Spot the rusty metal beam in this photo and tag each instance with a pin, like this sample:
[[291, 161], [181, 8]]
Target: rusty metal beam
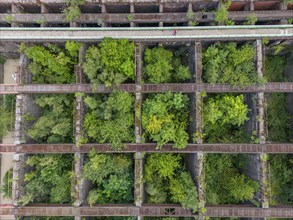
[[283, 87], [168, 210], [148, 147]]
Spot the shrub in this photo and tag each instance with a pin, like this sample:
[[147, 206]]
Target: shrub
[[113, 176], [165, 117]]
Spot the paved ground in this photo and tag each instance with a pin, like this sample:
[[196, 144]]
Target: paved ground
[[10, 67], [6, 162]]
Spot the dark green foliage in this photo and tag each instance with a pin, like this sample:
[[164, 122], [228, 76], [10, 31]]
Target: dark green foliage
[[161, 66], [53, 64], [167, 181], [165, 118], [110, 218], [56, 123], [227, 63], [2, 59], [224, 183], [223, 116], [281, 179], [7, 112], [6, 188], [277, 118], [49, 179], [110, 118], [113, 176], [274, 68], [111, 62]]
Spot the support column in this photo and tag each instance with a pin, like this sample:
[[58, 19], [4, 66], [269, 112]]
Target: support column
[[161, 10], [261, 129], [44, 10], [251, 5], [132, 24], [103, 11], [189, 10], [138, 169]]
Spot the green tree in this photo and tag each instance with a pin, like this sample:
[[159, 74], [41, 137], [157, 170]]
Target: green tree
[[110, 118], [168, 181], [56, 123], [6, 188], [281, 179], [224, 183], [278, 120], [223, 116], [53, 64], [165, 117], [111, 62], [113, 176], [49, 179], [161, 66], [225, 63]]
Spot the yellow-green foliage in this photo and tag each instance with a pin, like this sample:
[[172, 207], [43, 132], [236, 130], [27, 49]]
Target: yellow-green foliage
[[165, 118]]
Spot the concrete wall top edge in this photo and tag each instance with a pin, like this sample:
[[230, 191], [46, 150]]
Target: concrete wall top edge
[[117, 1]]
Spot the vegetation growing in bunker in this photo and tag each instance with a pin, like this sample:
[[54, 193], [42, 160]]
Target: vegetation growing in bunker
[[168, 181], [165, 119], [7, 112], [110, 118], [112, 175], [224, 116], [6, 188], [281, 179], [111, 62], [52, 64], [224, 182], [229, 63], [48, 180], [56, 123], [165, 66]]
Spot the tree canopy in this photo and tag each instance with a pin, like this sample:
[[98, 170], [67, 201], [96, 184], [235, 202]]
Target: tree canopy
[[52, 64], [56, 123], [163, 66], [112, 175], [224, 183], [165, 118], [227, 63], [167, 181], [49, 179], [110, 118], [111, 62], [223, 116]]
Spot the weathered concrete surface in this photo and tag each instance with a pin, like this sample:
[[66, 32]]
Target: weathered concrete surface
[[149, 34], [10, 67]]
